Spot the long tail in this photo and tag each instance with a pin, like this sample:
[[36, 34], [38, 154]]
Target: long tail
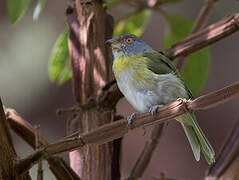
[[196, 137]]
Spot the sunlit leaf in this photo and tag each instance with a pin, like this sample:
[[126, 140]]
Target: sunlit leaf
[[133, 24], [66, 73], [16, 9], [38, 8], [196, 68], [59, 65]]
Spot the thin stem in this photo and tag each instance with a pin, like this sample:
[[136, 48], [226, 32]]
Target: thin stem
[[200, 23], [225, 166], [203, 15], [145, 156]]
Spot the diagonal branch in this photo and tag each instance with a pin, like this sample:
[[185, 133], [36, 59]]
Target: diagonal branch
[[25, 130], [7, 152], [146, 155], [226, 166], [109, 132], [200, 23], [205, 37], [203, 15]]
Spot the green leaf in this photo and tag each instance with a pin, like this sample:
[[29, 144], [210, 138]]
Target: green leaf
[[196, 68], [16, 9], [66, 73], [59, 66], [180, 27], [38, 9], [133, 23]]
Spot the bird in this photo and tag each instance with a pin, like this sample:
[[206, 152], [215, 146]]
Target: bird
[[149, 80]]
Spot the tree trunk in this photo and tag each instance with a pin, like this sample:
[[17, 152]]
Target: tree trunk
[[90, 27]]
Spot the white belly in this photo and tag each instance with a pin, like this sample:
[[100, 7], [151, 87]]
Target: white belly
[[144, 95]]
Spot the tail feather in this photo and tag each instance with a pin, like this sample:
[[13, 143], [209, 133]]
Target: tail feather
[[193, 141], [196, 137]]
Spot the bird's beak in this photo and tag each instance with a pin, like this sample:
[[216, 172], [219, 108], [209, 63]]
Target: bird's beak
[[114, 44]]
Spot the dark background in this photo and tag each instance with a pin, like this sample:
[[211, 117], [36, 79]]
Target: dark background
[[25, 86]]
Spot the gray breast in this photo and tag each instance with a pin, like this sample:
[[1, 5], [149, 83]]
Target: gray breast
[[142, 96]]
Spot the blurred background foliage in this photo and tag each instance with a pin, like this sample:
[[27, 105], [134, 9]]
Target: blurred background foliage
[[35, 45]]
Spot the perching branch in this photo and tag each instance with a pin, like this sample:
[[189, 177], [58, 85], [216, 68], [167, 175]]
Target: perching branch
[[27, 132], [203, 38], [109, 132]]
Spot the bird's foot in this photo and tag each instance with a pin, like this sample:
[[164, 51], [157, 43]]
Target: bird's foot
[[131, 117], [154, 108]]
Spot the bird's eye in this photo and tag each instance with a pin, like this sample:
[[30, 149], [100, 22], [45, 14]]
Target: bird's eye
[[129, 40]]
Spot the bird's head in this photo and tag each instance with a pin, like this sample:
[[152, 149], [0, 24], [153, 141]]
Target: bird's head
[[127, 44]]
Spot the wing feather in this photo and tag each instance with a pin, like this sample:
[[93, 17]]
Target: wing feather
[[160, 64]]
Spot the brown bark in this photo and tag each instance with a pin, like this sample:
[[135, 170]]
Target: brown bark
[[25, 130], [8, 156], [90, 27], [205, 37]]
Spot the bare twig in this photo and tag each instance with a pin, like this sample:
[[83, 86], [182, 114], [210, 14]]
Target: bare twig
[[25, 164], [22, 128], [145, 156], [204, 13], [226, 166], [109, 132], [200, 23]]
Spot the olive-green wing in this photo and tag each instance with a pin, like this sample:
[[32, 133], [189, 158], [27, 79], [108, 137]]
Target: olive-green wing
[[160, 64]]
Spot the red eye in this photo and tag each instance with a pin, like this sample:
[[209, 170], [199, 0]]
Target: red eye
[[129, 40]]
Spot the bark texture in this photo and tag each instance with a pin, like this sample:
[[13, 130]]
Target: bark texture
[[8, 156], [90, 27]]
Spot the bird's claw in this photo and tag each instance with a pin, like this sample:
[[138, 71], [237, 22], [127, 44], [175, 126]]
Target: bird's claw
[[154, 108], [131, 117]]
